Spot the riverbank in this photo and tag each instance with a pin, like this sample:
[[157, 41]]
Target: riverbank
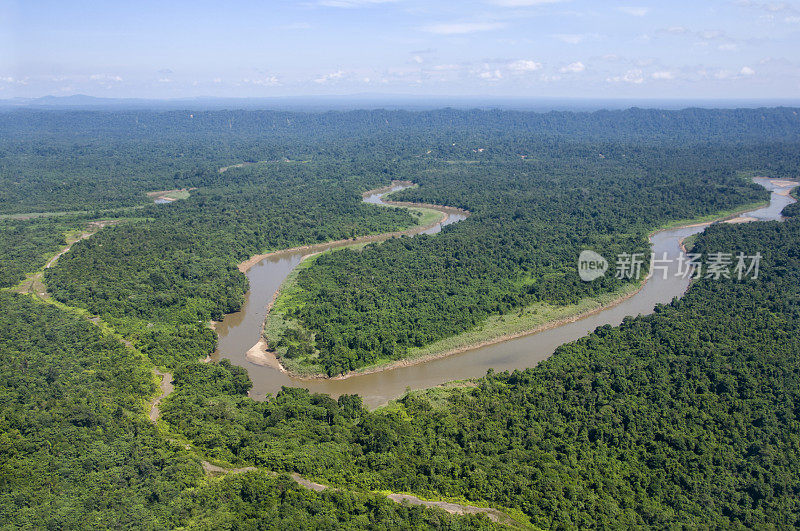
[[428, 221], [496, 329], [275, 323], [722, 216]]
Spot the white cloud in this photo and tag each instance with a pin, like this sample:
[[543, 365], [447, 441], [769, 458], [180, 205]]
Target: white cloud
[[218, 80], [631, 76], [635, 11], [417, 59], [727, 47], [747, 71], [525, 65], [266, 81], [573, 68], [325, 78], [491, 75], [105, 78], [664, 74], [711, 34], [460, 28], [446, 67], [165, 80], [772, 7]]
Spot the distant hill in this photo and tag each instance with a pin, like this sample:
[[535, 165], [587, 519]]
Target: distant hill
[[378, 101]]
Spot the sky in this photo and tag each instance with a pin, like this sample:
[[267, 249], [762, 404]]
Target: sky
[[485, 48]]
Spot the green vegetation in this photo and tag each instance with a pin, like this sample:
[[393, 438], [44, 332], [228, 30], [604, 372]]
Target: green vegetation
[[793, 210], [686, 417], [530, 220], [580, 183], [260, 501], [54, 161], [160, 281], [77, 451], [292, 342], [25, 247]]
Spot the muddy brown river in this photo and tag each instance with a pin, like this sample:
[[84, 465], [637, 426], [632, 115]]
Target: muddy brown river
[[239, 331]]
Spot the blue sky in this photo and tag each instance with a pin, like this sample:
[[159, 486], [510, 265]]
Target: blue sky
[[516, 48]]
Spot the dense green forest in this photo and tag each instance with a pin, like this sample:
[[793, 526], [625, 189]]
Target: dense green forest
[[793, 210], [530, 220], [262, 501], [25, 246], [161, 280], [539, 189], [77, 451], [687, 417], [81, 160], [684, 418]]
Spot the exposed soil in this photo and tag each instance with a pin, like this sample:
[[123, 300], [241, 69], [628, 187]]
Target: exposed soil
[[168, 196], [165, 388]]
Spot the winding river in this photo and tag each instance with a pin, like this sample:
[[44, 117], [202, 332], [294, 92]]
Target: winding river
[[239, 331]]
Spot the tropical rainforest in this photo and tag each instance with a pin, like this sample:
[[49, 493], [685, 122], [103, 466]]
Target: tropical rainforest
[[160, 279], [25, 246], [530, 220], [687, 417], [78, 452]]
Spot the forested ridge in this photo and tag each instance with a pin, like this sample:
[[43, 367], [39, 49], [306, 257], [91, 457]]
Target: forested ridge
[[686, 417]]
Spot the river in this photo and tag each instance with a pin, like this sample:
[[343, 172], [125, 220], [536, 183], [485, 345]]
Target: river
[[239, 331]]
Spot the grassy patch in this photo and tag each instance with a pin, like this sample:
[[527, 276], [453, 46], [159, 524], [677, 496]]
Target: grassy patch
[[278, 320], [717, 216], [519, 322], [425, 216]]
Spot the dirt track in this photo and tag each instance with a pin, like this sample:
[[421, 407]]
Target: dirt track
[[165, 388]]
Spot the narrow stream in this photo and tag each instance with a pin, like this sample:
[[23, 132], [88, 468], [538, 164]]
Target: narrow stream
[[241, 330]]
